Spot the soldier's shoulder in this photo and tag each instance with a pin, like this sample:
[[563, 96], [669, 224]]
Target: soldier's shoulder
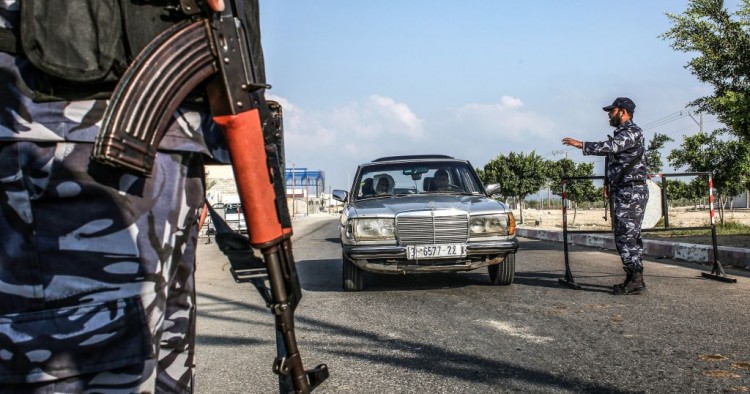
[[633, 128]]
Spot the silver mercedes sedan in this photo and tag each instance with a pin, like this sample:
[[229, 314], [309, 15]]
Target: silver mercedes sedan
[[427, 213]]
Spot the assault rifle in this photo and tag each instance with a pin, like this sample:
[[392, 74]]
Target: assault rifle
[[215, 48], [605, 187], [608, 203]]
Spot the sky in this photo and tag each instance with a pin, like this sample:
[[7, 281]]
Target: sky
[[474, 79]]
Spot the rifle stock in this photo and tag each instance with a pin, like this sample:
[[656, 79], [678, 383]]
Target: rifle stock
[[151, 90]]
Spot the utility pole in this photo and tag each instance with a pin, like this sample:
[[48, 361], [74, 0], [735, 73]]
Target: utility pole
[[307, 194], [549, 186], [294, 203], [698, 122]]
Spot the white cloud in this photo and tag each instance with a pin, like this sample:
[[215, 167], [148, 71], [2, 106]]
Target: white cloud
[[511, 102], [337, 140], [378, 117], [304, 129], [506, 120]]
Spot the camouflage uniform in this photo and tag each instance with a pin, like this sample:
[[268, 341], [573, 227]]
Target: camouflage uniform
[[627, 187], [96, 266]]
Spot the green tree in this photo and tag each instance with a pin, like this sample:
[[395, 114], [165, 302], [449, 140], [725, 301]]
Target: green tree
[[721, 40], [518, 174], [480, 172], [578, 190], [728, 161], [653, 157], [678, 189], [549, 179]]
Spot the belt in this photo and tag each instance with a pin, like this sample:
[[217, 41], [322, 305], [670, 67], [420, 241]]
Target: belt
[[632, 184]]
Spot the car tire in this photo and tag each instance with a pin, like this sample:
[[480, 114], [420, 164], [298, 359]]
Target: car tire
[[503, 273], [352, 275]]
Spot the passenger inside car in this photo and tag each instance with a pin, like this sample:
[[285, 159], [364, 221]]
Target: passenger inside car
[[383, 186]]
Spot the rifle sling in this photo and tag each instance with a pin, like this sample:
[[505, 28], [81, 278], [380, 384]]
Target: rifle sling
[[615, 185]]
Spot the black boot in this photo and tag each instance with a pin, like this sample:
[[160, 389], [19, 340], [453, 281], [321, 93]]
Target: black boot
[[628, 276], [634, 283]]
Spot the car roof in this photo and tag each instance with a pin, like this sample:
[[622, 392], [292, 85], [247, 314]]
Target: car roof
[[414, 158]]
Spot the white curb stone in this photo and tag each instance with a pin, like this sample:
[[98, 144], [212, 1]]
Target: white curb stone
[[738, 257]]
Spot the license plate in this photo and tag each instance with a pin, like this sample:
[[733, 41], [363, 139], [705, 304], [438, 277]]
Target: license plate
[[414, 252]]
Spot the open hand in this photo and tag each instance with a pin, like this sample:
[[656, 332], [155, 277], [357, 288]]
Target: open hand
[[572, 142]]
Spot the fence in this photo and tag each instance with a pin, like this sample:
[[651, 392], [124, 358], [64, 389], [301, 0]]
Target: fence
[[717, 271]]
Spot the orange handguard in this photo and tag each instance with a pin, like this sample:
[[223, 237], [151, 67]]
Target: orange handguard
[[247, 150]]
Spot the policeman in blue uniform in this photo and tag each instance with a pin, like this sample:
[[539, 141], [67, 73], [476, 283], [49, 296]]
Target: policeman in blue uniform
[[627, 174], [96, 265]]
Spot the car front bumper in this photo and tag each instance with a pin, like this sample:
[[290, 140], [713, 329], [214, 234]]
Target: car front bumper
[[392, 259]]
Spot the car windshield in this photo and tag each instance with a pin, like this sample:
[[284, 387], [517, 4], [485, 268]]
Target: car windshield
[[407, 178]]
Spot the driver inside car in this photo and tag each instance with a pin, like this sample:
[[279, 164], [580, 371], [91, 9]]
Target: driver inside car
[[367, 189], [440, 181]]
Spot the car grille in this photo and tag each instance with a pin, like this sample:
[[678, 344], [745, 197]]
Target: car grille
[[414, 228]]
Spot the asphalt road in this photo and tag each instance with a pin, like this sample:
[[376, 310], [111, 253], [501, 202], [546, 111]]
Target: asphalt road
[[456, 333]]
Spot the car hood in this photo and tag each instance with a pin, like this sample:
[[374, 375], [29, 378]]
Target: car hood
[[394, 205]]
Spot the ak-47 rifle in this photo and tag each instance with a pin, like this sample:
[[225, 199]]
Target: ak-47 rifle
[[606, 188], [215, 47]]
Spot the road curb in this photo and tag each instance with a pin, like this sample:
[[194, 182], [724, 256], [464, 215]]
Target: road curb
[[738, 257]]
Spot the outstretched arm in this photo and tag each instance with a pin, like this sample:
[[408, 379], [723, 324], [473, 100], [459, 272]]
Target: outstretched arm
[[572, 142]]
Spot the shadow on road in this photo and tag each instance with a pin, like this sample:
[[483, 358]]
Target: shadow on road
[[406, 354], [535, 244], [550, 279], [311, 279], [218, 340]]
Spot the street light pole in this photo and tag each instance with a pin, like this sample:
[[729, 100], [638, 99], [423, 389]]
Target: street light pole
[[307, 194], [294, 209]]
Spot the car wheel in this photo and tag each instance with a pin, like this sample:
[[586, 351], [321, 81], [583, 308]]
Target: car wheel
[[352, 275], [502, 274]]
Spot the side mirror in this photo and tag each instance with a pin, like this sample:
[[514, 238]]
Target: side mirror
[[339, 195], [492, 188]]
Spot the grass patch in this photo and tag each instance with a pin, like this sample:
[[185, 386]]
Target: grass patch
[[729, 228]]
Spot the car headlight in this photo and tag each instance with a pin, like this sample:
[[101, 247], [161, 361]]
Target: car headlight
[[372, 229], [488, 225]]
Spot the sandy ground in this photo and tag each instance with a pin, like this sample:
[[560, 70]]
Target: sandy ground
[[678, 217]]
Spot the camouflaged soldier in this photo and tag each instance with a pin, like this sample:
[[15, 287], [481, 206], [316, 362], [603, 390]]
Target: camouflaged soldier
[[96, 265], [627, 174]]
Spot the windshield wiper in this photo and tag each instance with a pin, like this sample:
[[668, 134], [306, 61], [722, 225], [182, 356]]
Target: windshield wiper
[[375, 197]]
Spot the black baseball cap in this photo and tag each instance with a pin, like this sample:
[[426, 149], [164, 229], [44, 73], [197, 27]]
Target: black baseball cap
[[621, 102]]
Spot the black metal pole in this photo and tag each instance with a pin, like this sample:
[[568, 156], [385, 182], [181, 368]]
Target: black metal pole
[[664, 205], [717, 272], [568, 280]]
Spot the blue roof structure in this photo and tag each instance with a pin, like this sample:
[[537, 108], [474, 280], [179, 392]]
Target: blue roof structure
[[313, 180]]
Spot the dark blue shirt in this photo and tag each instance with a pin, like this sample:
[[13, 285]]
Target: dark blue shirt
[[625, 147]]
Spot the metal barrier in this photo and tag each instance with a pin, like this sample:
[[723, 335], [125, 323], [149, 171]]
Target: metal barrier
[[717, 272]]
